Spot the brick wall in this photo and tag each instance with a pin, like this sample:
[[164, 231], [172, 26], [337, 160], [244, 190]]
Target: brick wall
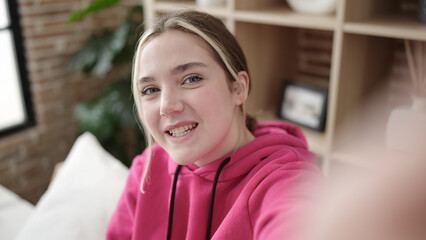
[[27, 158]]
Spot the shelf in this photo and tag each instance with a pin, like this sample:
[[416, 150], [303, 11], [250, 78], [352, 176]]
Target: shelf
[[220, 12], [351, 159], [343, 165], [316, 141], [372, 157], [400, 26], [286, 17], [364, 36]]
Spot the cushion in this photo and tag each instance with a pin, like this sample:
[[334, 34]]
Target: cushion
[[81, 198], [14, 212]]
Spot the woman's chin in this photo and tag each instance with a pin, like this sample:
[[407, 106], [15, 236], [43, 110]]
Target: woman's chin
[[182, 160]]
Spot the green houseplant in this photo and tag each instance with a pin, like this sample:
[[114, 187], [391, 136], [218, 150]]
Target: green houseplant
[[110, 118]]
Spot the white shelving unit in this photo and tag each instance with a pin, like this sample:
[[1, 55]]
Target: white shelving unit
[[364, 34]]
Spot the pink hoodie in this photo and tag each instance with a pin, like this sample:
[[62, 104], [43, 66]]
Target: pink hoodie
[[257, 192]]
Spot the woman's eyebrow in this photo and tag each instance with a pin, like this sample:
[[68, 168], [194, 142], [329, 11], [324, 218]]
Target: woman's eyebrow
[[145, 80], [178, 69], [182, 68]]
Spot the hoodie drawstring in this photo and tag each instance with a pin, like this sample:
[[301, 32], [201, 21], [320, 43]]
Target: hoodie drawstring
[[172, 199], [216, 177], [172, 203]]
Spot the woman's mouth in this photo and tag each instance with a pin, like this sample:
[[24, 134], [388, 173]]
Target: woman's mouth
[[182, 130]]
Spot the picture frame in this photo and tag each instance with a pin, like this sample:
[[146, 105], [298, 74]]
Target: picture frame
[[304, 105]]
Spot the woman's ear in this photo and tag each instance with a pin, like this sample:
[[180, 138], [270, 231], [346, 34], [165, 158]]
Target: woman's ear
[[241, 88]]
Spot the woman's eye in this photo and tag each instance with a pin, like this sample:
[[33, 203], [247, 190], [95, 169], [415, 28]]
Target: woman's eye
[[192, 79], [149, 90]]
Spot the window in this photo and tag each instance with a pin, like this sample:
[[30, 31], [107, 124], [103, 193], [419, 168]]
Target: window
[[15, 105]]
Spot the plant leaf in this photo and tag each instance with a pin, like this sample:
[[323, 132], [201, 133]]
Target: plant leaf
[[85, 59], [103, 51], [93, 7], [104, 61], [119, 39], [94, 117], [118, 96]]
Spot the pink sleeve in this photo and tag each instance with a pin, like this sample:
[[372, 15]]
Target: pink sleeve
[[122, 220], [282, 202]]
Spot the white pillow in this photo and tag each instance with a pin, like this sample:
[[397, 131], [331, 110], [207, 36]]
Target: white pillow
[[81, 199], [14, 212]]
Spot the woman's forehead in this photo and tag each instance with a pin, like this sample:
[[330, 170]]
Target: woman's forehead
[[175, 45], [178, 38]]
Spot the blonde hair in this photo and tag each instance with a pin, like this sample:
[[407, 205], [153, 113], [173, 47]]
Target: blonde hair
[[223, 46]]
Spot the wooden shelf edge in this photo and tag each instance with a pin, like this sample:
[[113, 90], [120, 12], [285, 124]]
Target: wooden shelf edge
[[287, 18], [220, 12], [393, 26]]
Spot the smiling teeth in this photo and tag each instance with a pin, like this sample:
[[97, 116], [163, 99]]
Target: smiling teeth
[[180, 131]]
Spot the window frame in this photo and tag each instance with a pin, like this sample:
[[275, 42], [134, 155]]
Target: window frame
[[15, 30]]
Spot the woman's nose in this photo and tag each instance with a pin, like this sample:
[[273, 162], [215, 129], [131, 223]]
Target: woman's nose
[[170, 104]]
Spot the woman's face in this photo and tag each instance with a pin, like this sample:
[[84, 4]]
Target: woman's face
[[186, 101]]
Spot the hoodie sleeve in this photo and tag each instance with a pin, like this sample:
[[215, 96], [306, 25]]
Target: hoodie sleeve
[[122, 221], [282, 201]]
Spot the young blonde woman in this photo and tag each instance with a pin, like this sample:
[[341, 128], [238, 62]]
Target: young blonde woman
[[213, 172]]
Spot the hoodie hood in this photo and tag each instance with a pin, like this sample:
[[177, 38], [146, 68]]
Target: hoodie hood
[[270, 137]]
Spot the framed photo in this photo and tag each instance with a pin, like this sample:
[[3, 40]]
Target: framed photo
[[304, 105]]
